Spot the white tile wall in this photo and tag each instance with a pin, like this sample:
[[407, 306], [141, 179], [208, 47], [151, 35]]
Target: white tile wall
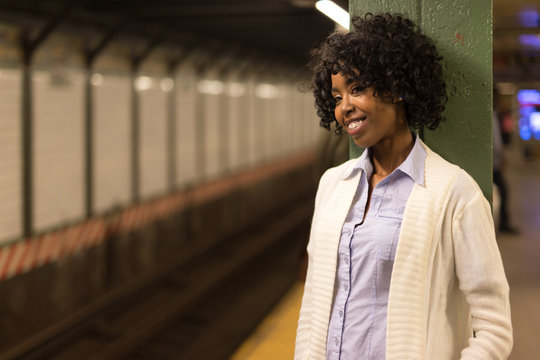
[[58, 149], [282, 121], [244, 105], [236, 128], [224, 134], [308, 126], [267, 127], [312, 120], [153, 140], [259, 130], [185, 125], [112, 142], [276, 124], [298, 125], [289, 120], [251, 149], [10, 154], [212, 126]]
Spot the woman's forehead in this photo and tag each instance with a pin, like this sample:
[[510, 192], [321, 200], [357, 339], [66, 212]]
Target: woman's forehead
[[341, 77]]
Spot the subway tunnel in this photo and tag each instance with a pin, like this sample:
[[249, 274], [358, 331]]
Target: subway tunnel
[[160, 160]]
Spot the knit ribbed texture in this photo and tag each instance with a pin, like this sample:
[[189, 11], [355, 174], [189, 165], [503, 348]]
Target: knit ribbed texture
[[447, 268], [331, 222], [406, 301]]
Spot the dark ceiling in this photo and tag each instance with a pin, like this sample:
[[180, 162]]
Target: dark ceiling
[[278, 29], [275, 30]]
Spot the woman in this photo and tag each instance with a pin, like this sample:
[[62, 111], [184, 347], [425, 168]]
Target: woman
[[403, 262]]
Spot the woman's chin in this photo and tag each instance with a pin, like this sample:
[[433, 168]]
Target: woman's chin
[[361, 142]]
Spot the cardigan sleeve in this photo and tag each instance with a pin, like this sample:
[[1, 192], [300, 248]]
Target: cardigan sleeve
[[304, 321], [481, 277]]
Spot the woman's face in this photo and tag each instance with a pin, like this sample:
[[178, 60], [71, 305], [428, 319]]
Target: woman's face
[[369, 120]]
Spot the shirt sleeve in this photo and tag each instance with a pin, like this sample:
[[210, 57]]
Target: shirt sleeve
[[482, 279]]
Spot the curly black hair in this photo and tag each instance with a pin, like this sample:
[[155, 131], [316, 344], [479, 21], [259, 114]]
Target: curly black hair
[[386, 52]]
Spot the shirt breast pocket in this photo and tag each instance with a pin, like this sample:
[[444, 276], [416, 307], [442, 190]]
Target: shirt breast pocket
[[386, 236]]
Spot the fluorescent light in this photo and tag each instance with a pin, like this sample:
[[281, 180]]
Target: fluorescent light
[[166, 84], [334, 12], [143, 83], [96, 79], [266, 91], [529, 18], [530, 41], [211, 87]]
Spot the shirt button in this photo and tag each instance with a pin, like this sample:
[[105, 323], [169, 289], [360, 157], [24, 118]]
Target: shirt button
[[340, 313], [346, 258], [346, 287], [336, 341]]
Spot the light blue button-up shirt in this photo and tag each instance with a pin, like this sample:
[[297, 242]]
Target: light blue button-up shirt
[[357, 328]]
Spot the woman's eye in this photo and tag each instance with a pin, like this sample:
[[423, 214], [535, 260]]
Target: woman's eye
[[337, 99], [357, 89]]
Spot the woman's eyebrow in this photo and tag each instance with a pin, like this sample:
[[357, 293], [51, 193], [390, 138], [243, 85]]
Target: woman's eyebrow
[[350, 81]]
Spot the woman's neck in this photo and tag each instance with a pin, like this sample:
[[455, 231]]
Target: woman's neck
[[390, 153]]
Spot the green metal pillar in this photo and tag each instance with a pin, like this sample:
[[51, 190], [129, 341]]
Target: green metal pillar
[[462, 32]]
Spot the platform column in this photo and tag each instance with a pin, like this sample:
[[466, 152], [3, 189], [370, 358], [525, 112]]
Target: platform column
[[462, 31]]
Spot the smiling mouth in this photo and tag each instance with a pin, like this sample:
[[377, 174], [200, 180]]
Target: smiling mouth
[[356, 123]]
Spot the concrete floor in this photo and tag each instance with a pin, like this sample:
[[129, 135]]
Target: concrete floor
[[274, 339], [521, 257]]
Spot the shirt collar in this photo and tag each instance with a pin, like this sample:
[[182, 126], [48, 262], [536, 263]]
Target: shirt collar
[[413, 165]]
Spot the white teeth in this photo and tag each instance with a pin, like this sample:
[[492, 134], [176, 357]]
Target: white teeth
[[354, 124]]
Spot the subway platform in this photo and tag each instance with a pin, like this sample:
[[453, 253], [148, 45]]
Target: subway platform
[[274, 338]]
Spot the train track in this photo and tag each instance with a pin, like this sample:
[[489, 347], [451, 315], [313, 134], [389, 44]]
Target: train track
[[199, 305]]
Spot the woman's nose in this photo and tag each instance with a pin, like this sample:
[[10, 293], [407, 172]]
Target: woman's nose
[[346, 105]]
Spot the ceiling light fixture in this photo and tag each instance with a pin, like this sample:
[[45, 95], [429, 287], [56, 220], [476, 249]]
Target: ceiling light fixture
[[334, 12]]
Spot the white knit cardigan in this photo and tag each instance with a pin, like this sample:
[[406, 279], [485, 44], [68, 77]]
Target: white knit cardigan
[[447, 280]]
